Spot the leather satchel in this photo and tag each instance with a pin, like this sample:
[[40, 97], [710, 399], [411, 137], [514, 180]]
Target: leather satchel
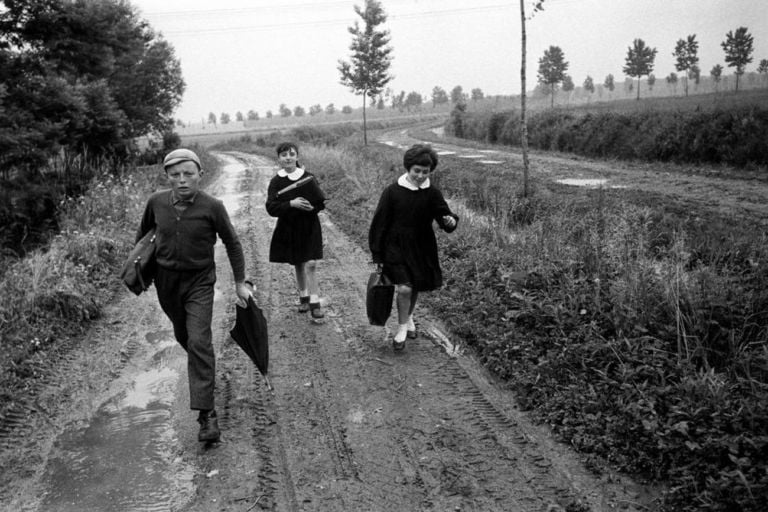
[[378, 300], [140, 267]]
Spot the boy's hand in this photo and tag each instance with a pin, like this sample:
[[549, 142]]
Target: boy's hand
[[449, 221], [244, 291]]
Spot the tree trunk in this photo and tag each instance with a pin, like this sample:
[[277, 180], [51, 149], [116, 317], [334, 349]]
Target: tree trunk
[[365, 126], [552, 92], [638, 88], [523, 120]]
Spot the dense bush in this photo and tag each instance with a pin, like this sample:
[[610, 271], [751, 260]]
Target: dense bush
[[736, 136]]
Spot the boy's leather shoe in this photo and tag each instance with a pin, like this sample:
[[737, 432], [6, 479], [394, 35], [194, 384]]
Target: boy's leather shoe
[[209, 427]]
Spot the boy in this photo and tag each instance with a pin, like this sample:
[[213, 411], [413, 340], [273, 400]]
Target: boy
[[187, 221]]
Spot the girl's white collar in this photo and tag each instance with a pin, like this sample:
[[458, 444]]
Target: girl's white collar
[[295, 175], [403, 182]]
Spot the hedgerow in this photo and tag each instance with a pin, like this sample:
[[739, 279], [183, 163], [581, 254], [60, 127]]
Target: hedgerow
[[735, 136]]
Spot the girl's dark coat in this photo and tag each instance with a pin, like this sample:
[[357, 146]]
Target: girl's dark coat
[[298, 236], [401, 232]]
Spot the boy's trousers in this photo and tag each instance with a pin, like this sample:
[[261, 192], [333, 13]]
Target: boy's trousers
[[186, 296]]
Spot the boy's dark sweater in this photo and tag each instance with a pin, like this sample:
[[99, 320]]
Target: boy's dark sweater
[[185, 239]]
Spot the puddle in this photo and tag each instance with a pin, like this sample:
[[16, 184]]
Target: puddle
[[491, 162], [123, 459], [439, 131], [441, 339], [233, 172], [470, 156], [583, 182], [446, 152]]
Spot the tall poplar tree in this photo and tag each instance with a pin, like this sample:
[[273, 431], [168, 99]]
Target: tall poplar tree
[[686, 56], [367, 71], [552, 68], [523, 111], [738, 50], [639, 61]]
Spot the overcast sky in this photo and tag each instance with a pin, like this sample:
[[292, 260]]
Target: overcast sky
[[238, 55]]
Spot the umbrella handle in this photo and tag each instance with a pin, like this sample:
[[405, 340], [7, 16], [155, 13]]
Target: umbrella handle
[[269, 385]]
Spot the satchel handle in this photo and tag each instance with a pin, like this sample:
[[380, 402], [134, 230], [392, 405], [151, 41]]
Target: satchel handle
[[137, 264]]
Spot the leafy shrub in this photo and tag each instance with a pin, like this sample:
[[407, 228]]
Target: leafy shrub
[[736, 136]]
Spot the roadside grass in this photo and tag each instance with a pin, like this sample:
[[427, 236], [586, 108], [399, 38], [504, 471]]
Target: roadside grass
[[631, 325]]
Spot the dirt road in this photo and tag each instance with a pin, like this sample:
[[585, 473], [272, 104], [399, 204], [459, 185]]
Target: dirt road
[[737, 193], [350, 425]]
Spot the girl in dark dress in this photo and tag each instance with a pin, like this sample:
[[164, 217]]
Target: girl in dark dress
[[401, 237], [295, 199]]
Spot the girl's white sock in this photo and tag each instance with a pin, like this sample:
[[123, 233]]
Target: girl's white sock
[[402, 331], [303, 293], [411, 324], [314, 298]]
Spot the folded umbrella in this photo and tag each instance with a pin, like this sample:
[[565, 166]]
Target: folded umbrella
[[250, 333]]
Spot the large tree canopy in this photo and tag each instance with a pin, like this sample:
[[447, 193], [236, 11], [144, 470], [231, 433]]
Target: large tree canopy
[[83, 76]]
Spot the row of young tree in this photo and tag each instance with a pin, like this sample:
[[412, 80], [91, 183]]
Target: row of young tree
[[402, 102], [80, 79], [738, 47]]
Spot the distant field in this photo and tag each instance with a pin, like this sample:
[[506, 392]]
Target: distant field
[[703, 101], [699, 101], [207, 135]]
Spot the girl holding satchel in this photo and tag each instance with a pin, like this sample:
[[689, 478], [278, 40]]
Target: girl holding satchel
[[401, 237], [295, 198]]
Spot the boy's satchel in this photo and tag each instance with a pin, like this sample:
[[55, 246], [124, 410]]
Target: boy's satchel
[[378, 301], [140, 267]]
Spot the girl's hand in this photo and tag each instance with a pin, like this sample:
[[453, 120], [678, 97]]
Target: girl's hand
[[449, 221], [301, 204]]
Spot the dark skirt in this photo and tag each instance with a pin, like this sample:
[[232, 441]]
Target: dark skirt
[[297, 240]]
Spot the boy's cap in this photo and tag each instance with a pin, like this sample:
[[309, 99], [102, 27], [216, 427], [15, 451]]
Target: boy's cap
[[181, 155]]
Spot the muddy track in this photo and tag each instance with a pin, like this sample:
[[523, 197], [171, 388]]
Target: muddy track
[[351, 425], [725, 191]]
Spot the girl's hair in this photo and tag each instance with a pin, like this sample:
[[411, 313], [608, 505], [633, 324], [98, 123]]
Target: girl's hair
[[420, 154], [285, 146]]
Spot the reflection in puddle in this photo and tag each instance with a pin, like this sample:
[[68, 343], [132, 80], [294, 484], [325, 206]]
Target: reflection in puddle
[[584, 182], [123, 460]]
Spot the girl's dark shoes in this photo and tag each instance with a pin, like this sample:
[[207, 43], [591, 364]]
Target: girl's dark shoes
[[209, 427], [398, 346], [315, 310], [303, 304], [411, 335]]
